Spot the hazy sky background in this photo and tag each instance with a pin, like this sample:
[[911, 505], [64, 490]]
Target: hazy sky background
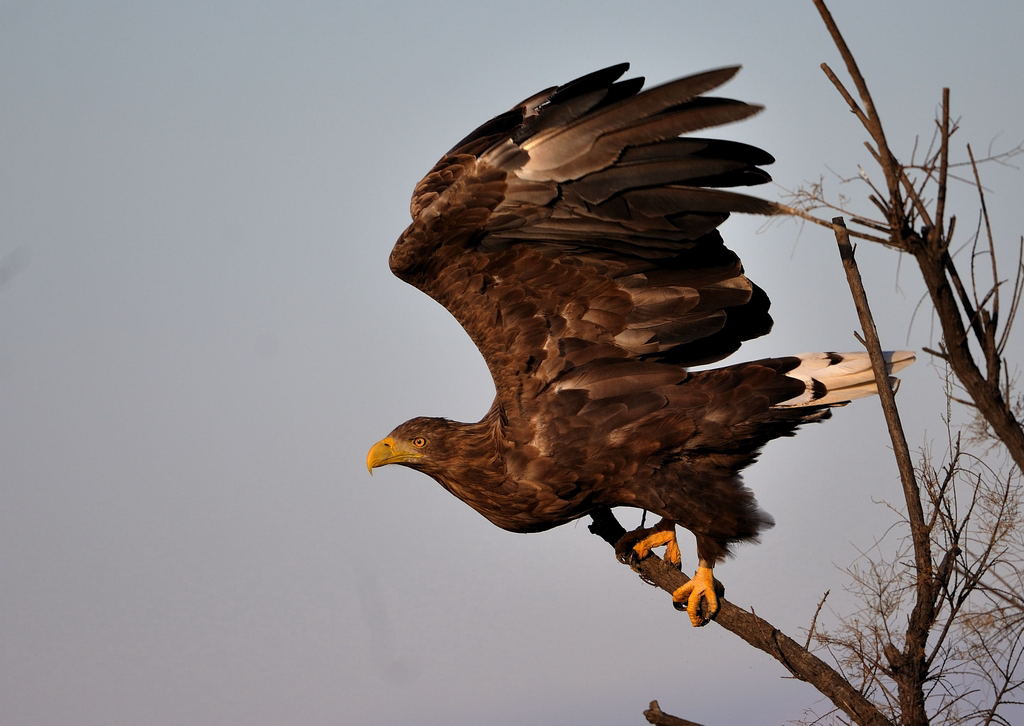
[[200, 338]]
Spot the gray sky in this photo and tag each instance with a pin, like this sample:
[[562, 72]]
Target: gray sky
[[200, 338]]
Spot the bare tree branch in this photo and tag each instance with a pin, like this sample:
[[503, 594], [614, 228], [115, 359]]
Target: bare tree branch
[[930, 248], [755, 630], [656, 716]]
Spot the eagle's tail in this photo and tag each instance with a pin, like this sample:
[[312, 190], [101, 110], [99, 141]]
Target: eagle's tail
[[832, 379]]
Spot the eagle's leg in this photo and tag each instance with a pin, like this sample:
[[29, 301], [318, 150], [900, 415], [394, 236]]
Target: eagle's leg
[[639, 543], [699, 596]]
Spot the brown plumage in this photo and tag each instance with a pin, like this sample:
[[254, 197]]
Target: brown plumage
[[575, 239]]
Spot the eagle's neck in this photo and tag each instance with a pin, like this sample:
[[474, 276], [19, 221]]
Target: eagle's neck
[[481, 462], [478, 475], [476, 471]]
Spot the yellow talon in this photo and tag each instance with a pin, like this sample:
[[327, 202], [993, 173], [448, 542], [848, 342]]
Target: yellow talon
[[658, 538], [648, 543], [700, 587]]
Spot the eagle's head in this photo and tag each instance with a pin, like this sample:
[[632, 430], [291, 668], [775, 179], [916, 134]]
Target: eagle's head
[[423, 443]]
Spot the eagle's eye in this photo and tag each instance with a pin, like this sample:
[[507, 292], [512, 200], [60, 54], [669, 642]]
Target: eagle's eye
[[419, 442]]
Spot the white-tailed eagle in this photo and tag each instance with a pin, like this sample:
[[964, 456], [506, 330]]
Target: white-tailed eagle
[[575, 238]]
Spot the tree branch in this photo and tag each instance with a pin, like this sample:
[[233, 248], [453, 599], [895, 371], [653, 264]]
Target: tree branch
[[656, 716], [931, 250], [909, 666], [756, 631]]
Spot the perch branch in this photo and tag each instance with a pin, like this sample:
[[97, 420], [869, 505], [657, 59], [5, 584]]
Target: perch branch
[[756, 631]]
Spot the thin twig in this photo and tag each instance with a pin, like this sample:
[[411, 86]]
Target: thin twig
[[814, 620], [869, 117], [795, 212]]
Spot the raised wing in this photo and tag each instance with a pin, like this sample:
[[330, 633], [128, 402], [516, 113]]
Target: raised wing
[[575, 237]]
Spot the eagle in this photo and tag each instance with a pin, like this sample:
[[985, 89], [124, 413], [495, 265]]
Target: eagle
[[575, 239]]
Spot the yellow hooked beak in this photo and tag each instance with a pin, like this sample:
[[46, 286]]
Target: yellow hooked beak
[[388, 451]]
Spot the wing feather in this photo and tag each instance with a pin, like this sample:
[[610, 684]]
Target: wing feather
[[574, 238]]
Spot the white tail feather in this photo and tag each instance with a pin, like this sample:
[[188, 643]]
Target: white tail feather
[[834, 378]]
